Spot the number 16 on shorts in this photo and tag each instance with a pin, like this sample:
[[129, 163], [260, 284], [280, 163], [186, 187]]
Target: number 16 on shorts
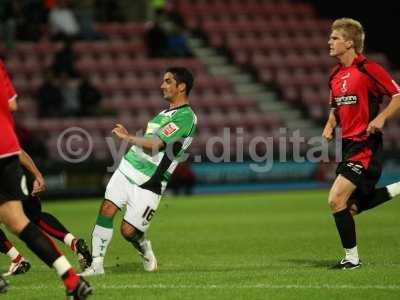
[[148, 214]]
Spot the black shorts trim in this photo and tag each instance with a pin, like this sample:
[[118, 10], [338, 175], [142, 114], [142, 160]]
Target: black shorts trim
[[351, 170], [364, 179]]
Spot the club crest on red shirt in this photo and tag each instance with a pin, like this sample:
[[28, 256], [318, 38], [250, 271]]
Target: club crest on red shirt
[[343, 88]]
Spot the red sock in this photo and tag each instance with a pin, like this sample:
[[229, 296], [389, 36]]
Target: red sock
[[73, 245], [70, 279], [17, 259]]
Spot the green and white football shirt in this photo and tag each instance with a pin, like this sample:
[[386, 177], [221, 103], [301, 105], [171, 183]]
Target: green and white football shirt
[[176, 127]]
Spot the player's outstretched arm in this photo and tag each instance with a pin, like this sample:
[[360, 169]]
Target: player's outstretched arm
[[39, 183], [149, 143], [330, 126]]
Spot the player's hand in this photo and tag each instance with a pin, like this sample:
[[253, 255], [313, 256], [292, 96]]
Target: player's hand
[[39, 185], [120, 131], [376, 125], [327, 134]]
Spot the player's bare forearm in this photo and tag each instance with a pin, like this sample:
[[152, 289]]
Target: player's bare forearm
[[153, 144], [330, 126], [147, 143], [331, 119], [39, 184], [28, 163]]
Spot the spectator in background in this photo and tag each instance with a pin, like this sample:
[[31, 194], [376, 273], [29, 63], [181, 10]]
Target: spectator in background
[[173, 15], [166, 37], [64, 60], [69, 87], [177, 42], [85, 12], [64, 69], [89, 98], [50, 99], [156, 38], [80, 96], [176, 30], [65, 96], [62, 21]]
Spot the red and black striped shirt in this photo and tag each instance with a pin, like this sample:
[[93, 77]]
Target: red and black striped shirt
[[356, 93]]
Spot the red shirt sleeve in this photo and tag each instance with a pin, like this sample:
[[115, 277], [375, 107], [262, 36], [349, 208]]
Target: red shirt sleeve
[[382, 79], [6, 84]]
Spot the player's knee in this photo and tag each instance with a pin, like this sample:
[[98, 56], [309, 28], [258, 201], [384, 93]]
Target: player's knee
[[336, 201], [13, 217], [128, 231], [335, 205], [108, 209], [17, 225]]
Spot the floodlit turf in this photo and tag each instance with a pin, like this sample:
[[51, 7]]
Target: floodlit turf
[[244, 246]]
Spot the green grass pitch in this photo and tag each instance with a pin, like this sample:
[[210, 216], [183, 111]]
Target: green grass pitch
[[243, 246]]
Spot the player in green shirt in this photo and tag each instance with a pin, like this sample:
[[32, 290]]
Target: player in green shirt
[[144, 171]]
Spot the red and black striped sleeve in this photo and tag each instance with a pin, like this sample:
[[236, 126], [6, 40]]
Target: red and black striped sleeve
[[385, 83]]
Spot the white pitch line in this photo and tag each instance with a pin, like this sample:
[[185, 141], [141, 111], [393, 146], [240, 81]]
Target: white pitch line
[[251, 286], [224, 286]]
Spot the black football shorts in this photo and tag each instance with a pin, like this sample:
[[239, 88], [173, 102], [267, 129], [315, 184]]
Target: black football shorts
[[13, 185]]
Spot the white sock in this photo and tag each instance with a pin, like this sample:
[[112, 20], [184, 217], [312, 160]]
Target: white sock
[[61, 265], [352, 255], [393, 189], [68, 239], [98, 262], [13, 253], [101, 238]]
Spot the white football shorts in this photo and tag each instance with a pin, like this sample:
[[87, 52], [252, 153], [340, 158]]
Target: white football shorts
[[140, 204]]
